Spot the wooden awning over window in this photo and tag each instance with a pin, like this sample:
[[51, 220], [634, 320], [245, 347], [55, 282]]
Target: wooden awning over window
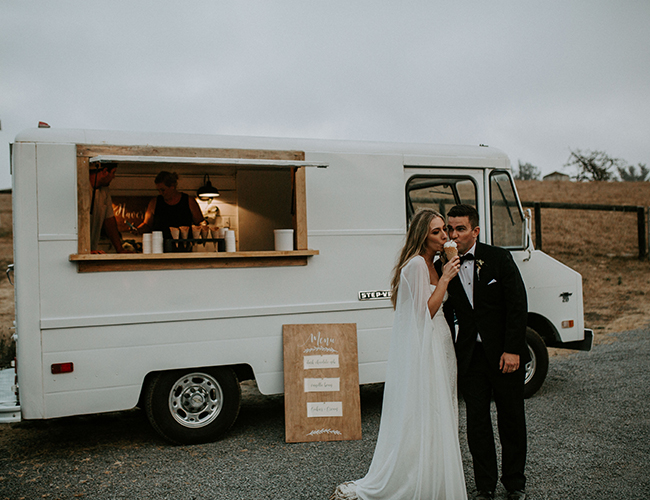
[[187, 160]]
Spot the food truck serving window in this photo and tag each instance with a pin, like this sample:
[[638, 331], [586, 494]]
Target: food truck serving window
[[259, 192]]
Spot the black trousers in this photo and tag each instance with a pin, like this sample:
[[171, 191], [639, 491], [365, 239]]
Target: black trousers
[[478, 386]]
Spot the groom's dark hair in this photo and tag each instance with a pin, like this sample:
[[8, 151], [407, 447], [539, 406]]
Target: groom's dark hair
[[465, 211]]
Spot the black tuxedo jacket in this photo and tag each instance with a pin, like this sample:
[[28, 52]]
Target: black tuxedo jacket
[[500, 308]]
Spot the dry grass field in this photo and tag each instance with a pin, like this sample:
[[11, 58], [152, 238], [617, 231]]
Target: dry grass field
[[602, 246], [6, 289]]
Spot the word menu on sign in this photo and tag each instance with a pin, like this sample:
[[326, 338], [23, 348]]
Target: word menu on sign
[[321, 383]]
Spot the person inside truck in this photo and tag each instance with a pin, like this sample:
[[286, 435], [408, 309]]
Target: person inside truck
[[170, 208], [102, 216]]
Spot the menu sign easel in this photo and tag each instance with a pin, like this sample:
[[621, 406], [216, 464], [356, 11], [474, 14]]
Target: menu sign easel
[[321, 383]]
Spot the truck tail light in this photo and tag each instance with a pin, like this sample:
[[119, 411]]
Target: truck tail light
[[567, 324], [62, 368]]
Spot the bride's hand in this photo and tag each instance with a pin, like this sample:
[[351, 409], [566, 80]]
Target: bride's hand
[[451, 268]]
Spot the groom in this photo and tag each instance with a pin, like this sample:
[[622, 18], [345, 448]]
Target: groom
[[488, 299]]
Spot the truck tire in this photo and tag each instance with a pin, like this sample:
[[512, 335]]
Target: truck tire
[[537, 367], [193, 406]]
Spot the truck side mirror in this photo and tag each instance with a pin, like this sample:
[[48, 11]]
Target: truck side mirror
[[529, 237]]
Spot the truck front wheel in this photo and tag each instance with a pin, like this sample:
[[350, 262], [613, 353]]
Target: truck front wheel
[[537, 367], [193, 406]]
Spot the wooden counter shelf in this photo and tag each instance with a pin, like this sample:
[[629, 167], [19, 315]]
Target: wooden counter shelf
[[88, 263]]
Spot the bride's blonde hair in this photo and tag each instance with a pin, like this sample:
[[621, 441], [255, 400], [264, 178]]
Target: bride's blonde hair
[[415, 244]]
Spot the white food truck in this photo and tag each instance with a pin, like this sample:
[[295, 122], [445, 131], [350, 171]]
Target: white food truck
[[175, 332]]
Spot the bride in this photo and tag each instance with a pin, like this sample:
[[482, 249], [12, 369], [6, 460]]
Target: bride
[[417, 455]]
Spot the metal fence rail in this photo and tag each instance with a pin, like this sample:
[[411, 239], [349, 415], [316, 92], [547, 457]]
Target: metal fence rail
[[640, 216]]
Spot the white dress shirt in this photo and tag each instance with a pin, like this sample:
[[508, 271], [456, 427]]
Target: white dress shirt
[[466, 275]]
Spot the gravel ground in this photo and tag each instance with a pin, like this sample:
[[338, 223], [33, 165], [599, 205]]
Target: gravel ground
[[589, 433]]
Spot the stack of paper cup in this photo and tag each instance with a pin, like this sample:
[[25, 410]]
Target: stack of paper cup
[[221, 236], [231, 245], [157, 242], [146, 243]]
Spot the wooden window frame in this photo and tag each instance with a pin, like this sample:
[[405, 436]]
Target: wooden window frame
[[88, 262]]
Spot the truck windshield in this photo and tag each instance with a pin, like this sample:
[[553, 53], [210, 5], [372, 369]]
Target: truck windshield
[[508, 226]]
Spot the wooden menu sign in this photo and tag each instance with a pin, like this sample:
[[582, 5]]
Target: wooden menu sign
[[321, 383]]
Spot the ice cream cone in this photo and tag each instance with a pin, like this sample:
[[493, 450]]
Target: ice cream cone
[[450, 249]]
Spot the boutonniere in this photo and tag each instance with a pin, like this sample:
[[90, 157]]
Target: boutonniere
[[479, 264]]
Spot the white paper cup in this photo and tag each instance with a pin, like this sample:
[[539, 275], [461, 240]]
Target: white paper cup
[[283, 240], [146, 243], [231, 244], [157, 242]]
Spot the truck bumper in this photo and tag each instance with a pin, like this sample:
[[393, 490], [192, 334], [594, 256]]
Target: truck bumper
[[9, 407], [577, 345]]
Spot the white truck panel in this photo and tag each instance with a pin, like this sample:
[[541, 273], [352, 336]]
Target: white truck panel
[[27, 281], [546, 280], [356, 192], [57, 191]]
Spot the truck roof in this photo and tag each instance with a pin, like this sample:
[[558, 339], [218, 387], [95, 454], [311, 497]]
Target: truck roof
[[124, 138]]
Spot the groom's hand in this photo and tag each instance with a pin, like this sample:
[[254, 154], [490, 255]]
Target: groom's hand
[[509, 362]]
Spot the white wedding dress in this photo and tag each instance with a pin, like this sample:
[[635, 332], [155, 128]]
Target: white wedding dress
[[417, 455]]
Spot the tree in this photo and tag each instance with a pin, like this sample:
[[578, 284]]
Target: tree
[[628, 173], [527, 172], [593, 165]]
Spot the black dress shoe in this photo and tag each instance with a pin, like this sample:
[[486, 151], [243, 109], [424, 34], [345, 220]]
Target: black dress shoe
[[484, 495], [516, 495]]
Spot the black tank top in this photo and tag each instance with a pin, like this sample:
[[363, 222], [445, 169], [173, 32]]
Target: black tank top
[[166, 216]]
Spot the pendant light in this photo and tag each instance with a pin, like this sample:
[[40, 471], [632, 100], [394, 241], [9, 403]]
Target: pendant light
[[207, 191]]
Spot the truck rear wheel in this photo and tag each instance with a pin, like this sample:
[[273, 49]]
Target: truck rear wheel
[[193, 406], [537, 367]]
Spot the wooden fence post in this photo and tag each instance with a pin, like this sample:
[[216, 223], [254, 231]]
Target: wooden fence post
[[640, 217]]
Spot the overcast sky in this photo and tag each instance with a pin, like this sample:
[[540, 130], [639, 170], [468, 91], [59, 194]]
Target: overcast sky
[[534, 79]]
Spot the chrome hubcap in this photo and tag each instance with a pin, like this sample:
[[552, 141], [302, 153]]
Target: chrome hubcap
[[195, 400], [530, 366]]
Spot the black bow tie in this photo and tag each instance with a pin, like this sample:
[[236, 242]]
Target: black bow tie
[[467, 256]]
